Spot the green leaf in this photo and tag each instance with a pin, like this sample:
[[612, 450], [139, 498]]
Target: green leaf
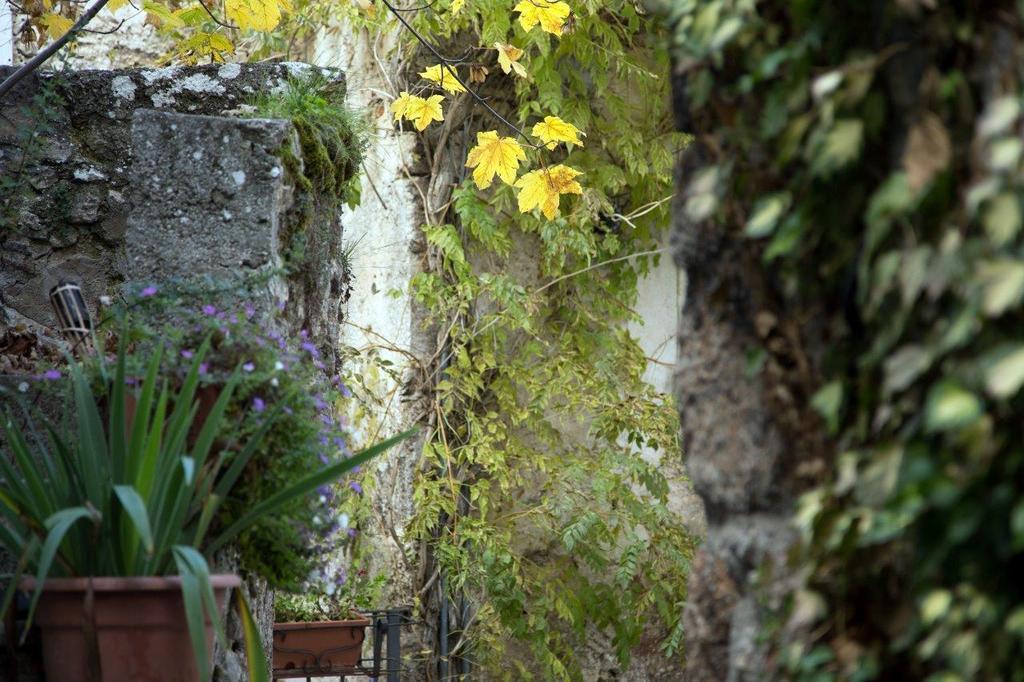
[[194, 616], [135, 508], [1003, 218], [840, 147], [828, 401], [950, 406], [58, 526], [766, 215], [786, 240], [1002, 283], [1004, 371], [257, 662], [935, 606]]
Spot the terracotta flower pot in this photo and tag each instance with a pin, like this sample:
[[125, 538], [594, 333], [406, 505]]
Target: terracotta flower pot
[[141, 631], [320, 647]]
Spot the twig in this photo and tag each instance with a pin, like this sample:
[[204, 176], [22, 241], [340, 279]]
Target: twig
[[445, 61], [48, 51]]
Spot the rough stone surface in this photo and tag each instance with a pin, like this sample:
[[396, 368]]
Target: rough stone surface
[[67, 163], [743, 436], [209, 196]]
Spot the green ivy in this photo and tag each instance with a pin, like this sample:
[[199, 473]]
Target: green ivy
[[873, 152]]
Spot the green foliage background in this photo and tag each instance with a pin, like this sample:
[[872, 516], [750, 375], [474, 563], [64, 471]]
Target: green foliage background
[[873, 151]]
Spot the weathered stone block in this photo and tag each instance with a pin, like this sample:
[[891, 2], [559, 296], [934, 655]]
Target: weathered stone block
[[70, 160], [209, 196]]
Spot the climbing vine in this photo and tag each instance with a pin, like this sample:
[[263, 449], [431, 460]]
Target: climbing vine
[[537, 503], [541, 498]]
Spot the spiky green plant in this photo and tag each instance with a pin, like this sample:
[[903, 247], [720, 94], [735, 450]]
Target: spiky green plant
[[132, 496]]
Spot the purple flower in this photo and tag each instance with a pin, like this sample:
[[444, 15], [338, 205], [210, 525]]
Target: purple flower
[[187, 354], [310, 348], [356, 469], [323, 458], [355, 486], [52, 374], [339, 442], [287, 410], [319, 403], [324, 440], [209, 309], [324, 490], [351, 532], [258, 405], [250, 310], [345, 393], [204, 367], [304, 334], [248, 367], [147, 292], [326, 419]]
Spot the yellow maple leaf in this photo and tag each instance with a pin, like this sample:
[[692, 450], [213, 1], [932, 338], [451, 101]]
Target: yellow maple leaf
[[444, 77], [492, 156], [257, 15], [421, 111], [457, 6], [56, 25], [399, 106], [203, 45], [553, 130], [508, 59], [542, 189], [549, 14], [115, 5]]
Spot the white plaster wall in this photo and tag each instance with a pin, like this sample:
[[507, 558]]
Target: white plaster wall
[[381, 232], [660, 297], [6, 34]]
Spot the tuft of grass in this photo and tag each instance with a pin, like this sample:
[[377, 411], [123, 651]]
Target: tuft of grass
[[332, 137]]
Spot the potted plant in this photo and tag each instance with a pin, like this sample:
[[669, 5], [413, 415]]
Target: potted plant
[[320, 630], [113, 521]]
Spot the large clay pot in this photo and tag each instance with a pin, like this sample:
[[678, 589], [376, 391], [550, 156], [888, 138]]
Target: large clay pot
[[141, 631], [318, 648]]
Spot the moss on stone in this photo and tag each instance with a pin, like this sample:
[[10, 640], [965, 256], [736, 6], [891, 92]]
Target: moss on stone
[[332, 138]]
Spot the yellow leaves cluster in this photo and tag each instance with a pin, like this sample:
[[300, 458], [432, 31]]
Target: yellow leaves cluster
[[543, 188], [205, 46], [422, 111], [492, 156], [549, 14], [443, 76], [256, 15], [56, 25], [553, 130]]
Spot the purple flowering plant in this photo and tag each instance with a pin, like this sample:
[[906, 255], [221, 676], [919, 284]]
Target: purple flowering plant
[[277, 371]]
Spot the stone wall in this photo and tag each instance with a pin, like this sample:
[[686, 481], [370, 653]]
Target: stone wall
[[737, 442], [127, 178]]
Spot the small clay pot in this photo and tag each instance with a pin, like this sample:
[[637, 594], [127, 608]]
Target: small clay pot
[[140, 627], [319, 647]]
